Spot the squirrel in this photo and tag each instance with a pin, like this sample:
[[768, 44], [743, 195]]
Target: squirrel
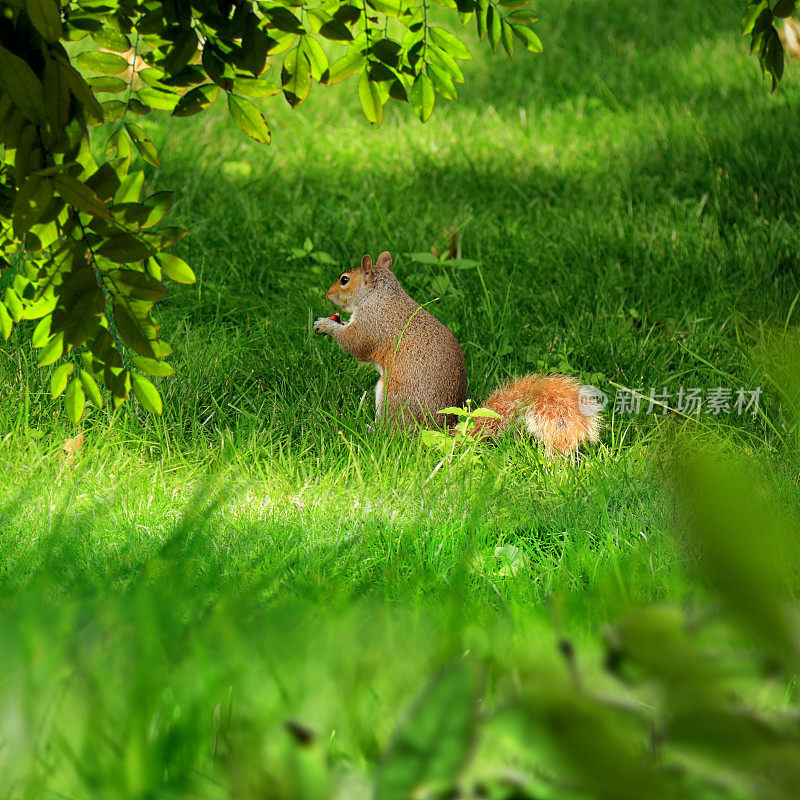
[[421, 367]]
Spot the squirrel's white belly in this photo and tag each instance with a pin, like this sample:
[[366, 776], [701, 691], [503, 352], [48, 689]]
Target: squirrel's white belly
[[379, 393]]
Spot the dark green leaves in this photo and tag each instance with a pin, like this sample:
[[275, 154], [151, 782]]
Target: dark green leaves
[[79, 195], [196, 100], [759, 21], [23, 86], [248, 118], [784, 8], [94, 257], [124, 248], [135, 324], [433, 743], [46, 18]]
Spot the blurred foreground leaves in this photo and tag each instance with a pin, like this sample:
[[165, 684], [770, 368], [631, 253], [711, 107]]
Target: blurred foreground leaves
[[186, 682]]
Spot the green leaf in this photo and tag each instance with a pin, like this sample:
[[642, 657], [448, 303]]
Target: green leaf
[[424, 258], [255, 87], [422, 96], [130, 188], [56, 94], [370, 98], [100, 61], [441, 81], [751, 14], [296, 76], [486, 412], [528, 38], [52, 351], [90, 387], [158, 98], [23, 86], [445, 61], [13, 304], [283, 19], [145, 147], [79, 196], [346, 66], [481, 18], [125, 248], [153, 367], [58, 381], [120, 145], [392, 8], [432, 744], [315, 55], [507, 37], [75, 400], [163, 237], [107, 83], [31, 202], [184, 47], [248, 118], [41, 333], [111, 39], [773, 58], [198, 99], [157, 206], [784, 8], [113, 109], [493, 25], [136, 215], [175, 268], [83, 93], [5, 322], [46, 18], [521, 15], [134, 324], [136, 106], [146, 393], [336, 31], [255, 46], [449, 43], [135, 284]]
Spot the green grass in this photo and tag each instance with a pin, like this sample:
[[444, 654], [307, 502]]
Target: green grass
[[632, 198]]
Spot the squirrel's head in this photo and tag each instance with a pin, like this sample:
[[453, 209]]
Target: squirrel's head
[[351, 288]]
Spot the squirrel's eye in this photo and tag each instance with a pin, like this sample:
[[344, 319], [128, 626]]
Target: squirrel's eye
[[344, 280]]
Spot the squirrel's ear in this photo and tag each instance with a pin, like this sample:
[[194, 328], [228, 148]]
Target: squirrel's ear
[[366, 262], [384, 260]]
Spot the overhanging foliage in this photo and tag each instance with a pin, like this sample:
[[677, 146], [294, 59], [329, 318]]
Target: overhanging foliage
[[84, 244]]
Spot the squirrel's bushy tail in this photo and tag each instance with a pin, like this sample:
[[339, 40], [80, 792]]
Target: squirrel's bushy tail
[[551, 408]]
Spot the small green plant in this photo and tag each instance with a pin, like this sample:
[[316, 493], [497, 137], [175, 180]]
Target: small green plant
[[461, 438]]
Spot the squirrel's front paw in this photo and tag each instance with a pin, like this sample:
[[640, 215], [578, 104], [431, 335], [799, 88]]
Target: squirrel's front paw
[[323, 325]]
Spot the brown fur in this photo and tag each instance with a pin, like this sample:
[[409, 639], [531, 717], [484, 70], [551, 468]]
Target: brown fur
[[412, 348], [549, 408], [422, 366]]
